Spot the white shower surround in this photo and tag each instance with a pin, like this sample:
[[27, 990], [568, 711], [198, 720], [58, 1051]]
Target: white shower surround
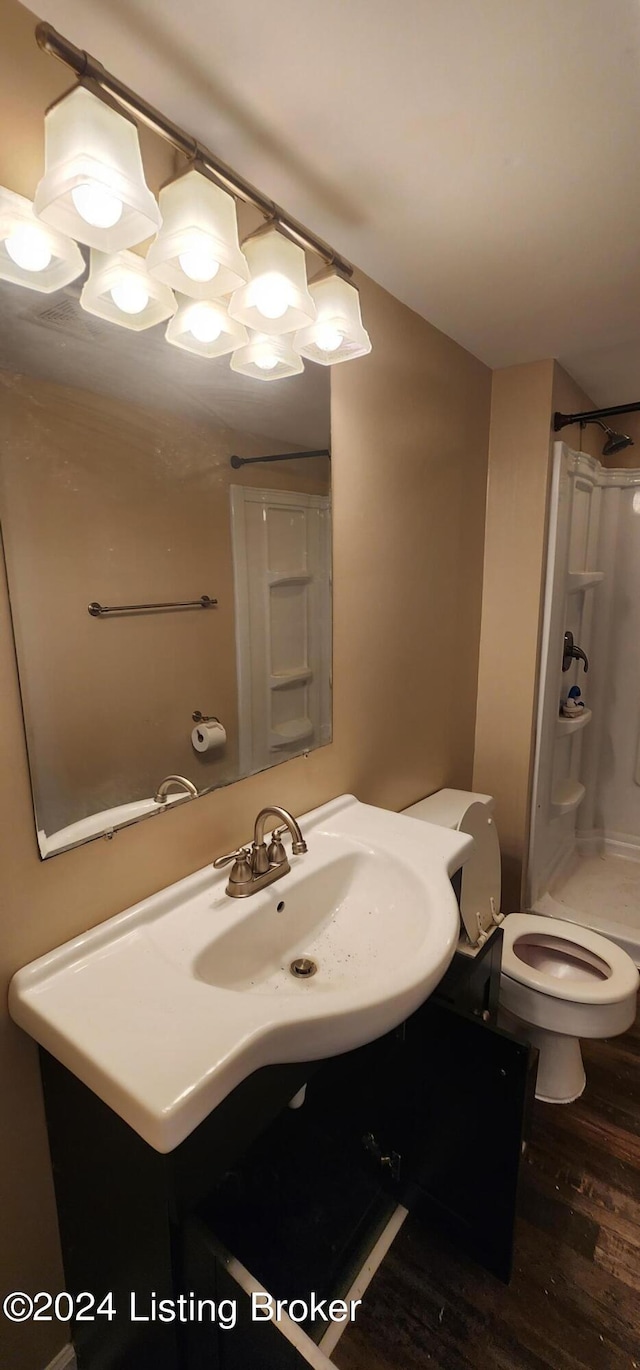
[[580, 861]]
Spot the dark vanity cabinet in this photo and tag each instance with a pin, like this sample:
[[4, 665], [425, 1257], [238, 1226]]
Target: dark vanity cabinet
[[432, 1116]]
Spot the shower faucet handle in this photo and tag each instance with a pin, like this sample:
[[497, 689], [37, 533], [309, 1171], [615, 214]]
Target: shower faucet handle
[[572, 653]]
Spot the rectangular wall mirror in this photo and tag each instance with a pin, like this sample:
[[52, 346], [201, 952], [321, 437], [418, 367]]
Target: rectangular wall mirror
[[117, 488]]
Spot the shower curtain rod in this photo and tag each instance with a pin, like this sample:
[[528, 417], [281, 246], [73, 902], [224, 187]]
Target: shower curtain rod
[[561, 420], [237, 462]]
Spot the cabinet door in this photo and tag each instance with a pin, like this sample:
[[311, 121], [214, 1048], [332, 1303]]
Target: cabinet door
[[213, 1273], [454, 1120]]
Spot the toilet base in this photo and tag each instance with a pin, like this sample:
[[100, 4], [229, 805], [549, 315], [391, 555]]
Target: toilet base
[[561, 1078]]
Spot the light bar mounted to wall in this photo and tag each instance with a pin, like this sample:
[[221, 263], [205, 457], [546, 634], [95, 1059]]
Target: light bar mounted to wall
[[87, 67]]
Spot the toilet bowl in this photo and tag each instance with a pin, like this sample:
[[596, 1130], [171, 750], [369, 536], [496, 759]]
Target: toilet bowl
[[559, 981]]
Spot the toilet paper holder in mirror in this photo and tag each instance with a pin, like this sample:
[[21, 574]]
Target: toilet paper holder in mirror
[[199, 717]]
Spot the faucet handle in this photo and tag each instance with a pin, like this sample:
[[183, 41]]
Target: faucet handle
[[241, 869], [571, 652], [221, 861], [275, 851]]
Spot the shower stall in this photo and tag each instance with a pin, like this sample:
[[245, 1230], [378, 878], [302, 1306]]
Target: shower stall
[[584, 857]]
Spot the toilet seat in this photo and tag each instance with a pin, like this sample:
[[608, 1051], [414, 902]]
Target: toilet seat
[[582, 945], [559, 981]]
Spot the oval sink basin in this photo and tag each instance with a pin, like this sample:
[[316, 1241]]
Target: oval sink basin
[[164, 1009], [340, 916]]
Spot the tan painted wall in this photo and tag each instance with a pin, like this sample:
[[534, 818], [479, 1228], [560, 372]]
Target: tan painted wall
[[105, 500], [524, 399], [409, 440]]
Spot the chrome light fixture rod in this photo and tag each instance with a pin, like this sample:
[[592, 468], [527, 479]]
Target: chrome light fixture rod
[[87, 67]]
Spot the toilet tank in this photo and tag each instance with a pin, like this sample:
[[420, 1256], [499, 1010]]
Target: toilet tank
[[481, 878]]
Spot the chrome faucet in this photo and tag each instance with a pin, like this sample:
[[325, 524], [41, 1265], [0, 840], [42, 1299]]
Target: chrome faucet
[[180, 781], [257, 866]]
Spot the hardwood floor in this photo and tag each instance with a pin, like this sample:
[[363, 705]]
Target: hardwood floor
[[574, 1299]]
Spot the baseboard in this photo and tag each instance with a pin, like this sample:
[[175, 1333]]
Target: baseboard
[[65, 1360]]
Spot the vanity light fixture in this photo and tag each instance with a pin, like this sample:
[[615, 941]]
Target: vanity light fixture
[[276, 300], [267, 358], [120, 289], [93, 188], [204, 327], [337, 335], [31, 253], [197, 249]]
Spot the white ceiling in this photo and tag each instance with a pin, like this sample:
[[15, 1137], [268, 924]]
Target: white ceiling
[[479, 158]]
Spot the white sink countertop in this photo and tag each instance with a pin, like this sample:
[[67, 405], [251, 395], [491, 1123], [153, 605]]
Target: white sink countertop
[[165, 1008]]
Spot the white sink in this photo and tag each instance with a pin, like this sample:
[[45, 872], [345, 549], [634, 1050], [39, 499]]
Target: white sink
[[164, 1009]]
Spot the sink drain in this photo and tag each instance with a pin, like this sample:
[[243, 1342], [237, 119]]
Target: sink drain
[[303, 967]]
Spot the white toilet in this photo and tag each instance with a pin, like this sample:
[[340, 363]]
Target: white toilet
[[559, 981]]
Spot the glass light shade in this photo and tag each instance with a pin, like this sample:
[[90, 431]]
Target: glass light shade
[[93, 188], [120, 289], [197, 250], [267, 358], [338, 334], [204, 327], [276, 300], [31, 253]]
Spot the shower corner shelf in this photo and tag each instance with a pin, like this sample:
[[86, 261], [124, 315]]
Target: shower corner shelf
[[566, 797], [285, 734], [582, 580], [565, 726]]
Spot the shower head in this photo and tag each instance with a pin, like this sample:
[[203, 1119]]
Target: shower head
[[615, 442]]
